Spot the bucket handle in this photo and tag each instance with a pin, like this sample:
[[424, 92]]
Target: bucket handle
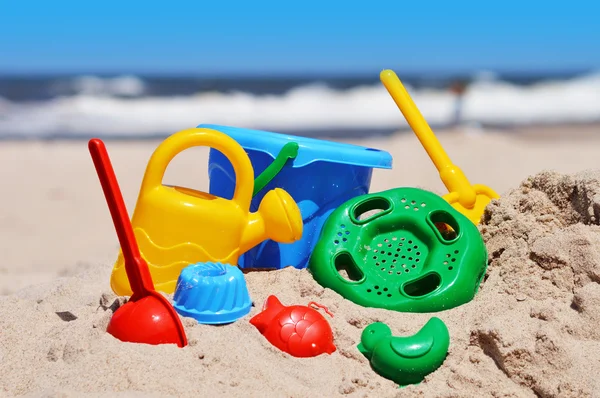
[[289, 151], [184, 139]]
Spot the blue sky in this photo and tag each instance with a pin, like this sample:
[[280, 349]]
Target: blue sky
[[262, 37]]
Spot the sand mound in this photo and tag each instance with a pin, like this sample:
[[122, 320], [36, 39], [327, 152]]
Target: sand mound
[[530, 331], [544, 245]]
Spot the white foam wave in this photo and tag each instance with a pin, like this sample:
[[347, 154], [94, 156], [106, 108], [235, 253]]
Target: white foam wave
[[126, 85], [311, 107]]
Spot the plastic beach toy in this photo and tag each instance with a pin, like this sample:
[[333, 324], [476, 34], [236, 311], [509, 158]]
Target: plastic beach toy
[[177, 226], [298, 330], [468, 199], [400, 258], [212, 293], [321, 176], [147, 317], [289, 151], [405, 360]]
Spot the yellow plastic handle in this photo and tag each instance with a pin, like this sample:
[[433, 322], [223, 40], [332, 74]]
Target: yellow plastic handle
[[451, 175], [182, 140]]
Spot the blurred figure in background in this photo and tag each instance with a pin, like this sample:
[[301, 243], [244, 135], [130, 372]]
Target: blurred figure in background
[[458, 88]]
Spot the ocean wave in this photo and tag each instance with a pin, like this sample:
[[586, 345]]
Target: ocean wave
[[90, 85], [115, 107]]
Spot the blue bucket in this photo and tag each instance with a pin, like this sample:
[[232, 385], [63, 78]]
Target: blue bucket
[[323, 175]]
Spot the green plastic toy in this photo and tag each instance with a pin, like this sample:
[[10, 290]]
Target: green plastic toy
[[417, 254], [405, 360], [289, 151]]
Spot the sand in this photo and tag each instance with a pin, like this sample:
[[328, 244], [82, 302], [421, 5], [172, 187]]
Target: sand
[[530, 331]]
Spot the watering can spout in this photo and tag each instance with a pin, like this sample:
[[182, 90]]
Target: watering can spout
[[278, 218]]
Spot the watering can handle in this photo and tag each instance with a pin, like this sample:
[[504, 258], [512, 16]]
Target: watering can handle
[[185, 139]]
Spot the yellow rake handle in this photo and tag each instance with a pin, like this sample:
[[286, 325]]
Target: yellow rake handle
[[452, 176]]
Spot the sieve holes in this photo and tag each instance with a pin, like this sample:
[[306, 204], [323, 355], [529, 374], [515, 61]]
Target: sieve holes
[[450, 259], [385, 291]]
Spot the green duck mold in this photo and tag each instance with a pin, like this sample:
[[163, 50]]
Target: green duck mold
[[405, 360]]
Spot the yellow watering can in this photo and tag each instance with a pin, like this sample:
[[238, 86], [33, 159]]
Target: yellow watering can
[[176, 226], [468, 199]]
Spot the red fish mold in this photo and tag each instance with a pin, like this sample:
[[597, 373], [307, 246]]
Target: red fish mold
[[299, 330]]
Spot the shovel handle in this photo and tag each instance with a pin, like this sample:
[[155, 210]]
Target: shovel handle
[[451, 175], [135, 266], [415, 119]]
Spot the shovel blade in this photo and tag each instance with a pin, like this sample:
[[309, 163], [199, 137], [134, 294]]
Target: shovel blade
[[148, 321], [484, 195]]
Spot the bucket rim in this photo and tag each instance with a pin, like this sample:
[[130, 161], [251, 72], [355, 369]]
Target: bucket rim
[[271, 142]]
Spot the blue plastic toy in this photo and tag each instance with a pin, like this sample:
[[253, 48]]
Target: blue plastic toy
[[212, 293], [322, 176]]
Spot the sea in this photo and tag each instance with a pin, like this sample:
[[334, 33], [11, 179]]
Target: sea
[[136, 106]]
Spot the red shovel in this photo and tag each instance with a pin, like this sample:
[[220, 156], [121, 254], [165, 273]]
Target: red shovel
[[148, 317]]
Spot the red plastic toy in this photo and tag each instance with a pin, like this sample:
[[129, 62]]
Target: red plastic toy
[[148, 317], [299, 330]]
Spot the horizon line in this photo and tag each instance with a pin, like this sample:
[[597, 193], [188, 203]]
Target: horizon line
[[450, 72]]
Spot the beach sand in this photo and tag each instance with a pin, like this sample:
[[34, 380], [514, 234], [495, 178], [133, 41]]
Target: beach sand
[[530, 331]]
